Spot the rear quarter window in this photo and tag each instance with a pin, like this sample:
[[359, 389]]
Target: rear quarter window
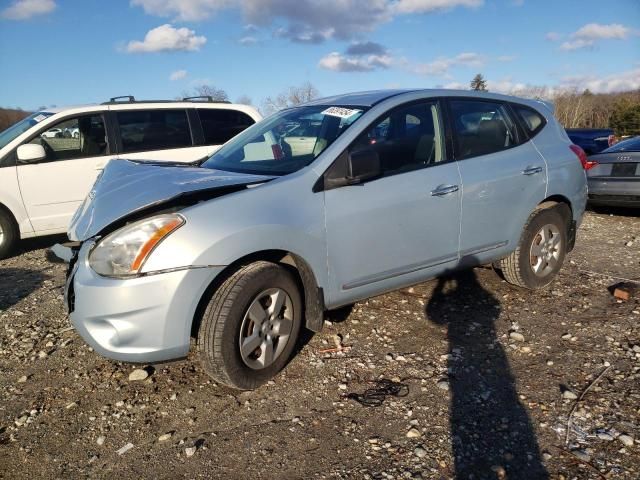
[[221, 125], [531, 121]]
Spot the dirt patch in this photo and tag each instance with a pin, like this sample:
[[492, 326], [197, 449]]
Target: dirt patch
[[493, 375]]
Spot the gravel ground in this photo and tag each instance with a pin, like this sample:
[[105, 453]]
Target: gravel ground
[[493, 373]]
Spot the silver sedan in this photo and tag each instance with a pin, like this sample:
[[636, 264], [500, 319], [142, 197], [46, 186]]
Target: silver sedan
[[614, 175]]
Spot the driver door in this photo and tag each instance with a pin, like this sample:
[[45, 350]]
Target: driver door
[[53, 188], [400, 228]]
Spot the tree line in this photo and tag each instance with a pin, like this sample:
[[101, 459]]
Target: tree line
[[584, 109], [573, 109]]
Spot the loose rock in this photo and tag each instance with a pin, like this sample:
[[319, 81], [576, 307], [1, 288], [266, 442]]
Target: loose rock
[[138, 375], [414, 433]]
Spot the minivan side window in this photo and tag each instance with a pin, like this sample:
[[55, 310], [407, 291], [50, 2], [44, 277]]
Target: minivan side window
[[142, 130], [481, 128], [221, 125], [77, 137], [532, 121], [408, 138]]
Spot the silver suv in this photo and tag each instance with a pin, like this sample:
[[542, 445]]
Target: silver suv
[[244, 250]]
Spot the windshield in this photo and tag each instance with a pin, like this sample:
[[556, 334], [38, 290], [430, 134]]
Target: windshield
[[22, 126], [286, 142], [630, 145]]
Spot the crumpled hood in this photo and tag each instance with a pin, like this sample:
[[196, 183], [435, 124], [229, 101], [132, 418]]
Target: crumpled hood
[[126, 187]]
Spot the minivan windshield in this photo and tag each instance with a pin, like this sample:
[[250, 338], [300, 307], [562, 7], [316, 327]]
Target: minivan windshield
[[285, 142], [22, 126]]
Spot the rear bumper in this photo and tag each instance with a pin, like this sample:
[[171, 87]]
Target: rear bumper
[[615, 192]]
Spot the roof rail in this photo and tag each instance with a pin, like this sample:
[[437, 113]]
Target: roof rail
[[130, 98], [205, 98]]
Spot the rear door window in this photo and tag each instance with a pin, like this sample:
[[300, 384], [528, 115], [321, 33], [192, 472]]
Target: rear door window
[[146, 130], [221, 125], [482, 128]]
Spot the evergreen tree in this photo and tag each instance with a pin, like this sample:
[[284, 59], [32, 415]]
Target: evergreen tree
[[479, 83]]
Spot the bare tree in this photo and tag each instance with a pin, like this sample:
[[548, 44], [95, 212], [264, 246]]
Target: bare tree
[[205, 90], [10, 116], [245, 100], [295, 95]]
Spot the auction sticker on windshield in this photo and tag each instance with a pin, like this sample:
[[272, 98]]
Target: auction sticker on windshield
[[341, 112]]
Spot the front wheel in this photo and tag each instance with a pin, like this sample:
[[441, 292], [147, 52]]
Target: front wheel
[[251, 325], [541, 251]]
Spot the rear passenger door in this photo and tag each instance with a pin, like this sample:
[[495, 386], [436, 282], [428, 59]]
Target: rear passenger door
[[156, 134], [504, 177]]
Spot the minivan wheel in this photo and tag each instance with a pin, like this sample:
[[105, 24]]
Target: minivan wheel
[[8, 234], [250, 326], [541, 252]]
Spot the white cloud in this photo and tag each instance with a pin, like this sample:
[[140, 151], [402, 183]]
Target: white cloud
[[618, 82], [178, 75], [587, 35], [338, 62], [26, 9], [166, 38], [441, 66], [553, 36], [248, 41], [576, 44], [425, 6], [593, 31], [303, 21]]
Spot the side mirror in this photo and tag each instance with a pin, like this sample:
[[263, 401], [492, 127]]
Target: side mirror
[[363, 165], [31, 152]]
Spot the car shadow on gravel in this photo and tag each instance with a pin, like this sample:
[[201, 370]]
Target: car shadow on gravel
[[491, 432], [37, 243], [18, 283]]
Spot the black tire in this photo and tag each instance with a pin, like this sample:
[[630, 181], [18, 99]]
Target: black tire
[[219, 334], [517, 268], [10, 235]]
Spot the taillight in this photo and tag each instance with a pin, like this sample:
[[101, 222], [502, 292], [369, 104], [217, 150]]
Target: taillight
[[586, 163]]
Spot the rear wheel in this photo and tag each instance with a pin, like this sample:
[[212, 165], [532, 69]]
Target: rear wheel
[[251, 326], [541, 251], [8, 234]]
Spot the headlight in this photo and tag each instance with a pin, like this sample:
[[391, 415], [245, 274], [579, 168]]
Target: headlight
[[123, 253]]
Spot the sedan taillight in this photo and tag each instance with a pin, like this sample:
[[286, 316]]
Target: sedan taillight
[[586, 163]]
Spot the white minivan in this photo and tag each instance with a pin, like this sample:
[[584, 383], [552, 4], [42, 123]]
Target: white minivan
[[50, 160]]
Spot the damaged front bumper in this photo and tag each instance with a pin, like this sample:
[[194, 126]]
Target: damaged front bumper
[[142, 319]]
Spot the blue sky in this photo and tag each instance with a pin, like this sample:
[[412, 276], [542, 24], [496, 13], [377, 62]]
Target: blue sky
[[81, 51]]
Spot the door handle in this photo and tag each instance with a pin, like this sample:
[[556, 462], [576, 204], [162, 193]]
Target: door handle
[[531, 170], [444, 190]]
